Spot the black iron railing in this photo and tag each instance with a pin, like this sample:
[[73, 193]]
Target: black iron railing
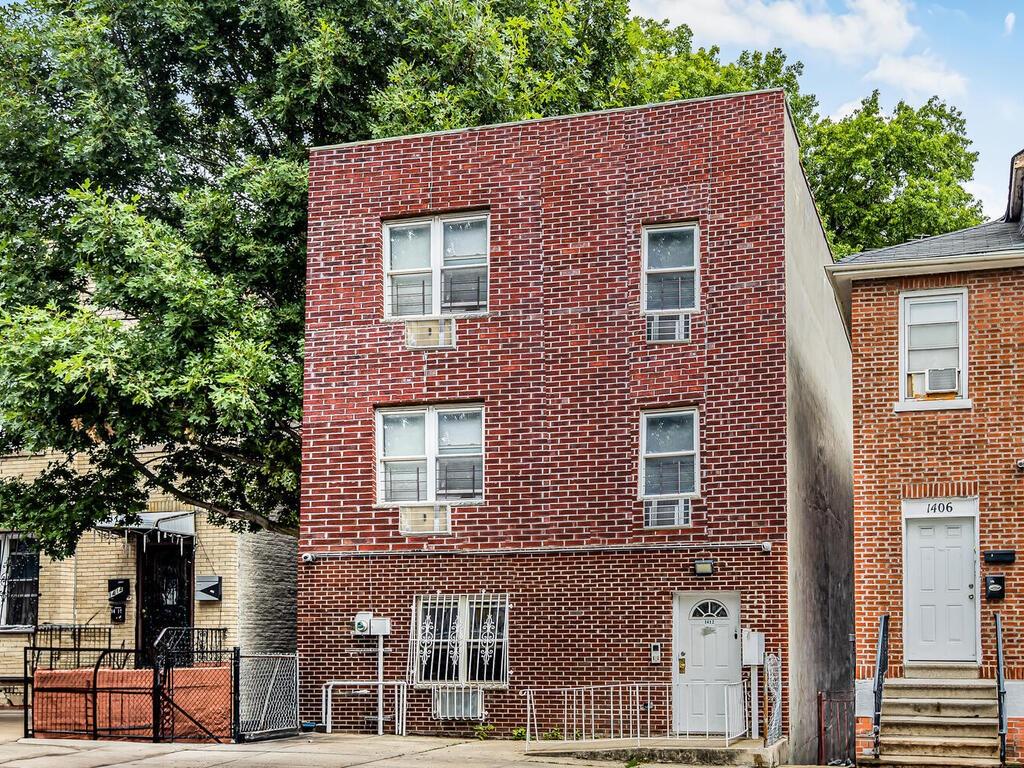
[[1001, 687], [881, 667], [186, 646]]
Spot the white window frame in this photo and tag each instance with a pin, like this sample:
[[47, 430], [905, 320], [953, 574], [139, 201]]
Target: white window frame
[[431, 413], [463, 603], [436, 263], [695, 494], [907, 298], [648, 271], [5, 551]]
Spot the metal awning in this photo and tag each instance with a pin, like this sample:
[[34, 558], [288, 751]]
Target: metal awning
[[172, 524]]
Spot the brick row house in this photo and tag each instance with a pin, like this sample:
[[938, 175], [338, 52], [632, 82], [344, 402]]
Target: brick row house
[[577, 414], [125, 584], [937, 328]]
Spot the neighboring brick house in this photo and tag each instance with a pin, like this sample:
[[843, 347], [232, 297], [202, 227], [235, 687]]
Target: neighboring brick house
[[646, 378], [937, 327], [162, 559]]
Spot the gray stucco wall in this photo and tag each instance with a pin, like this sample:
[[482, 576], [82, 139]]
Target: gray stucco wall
[[266, 592], [819, 470]]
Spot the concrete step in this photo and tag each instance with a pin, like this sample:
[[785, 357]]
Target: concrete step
[[892, 761], [940, 746], [925, 725], [965, 707], [939, 688], [961, 670]]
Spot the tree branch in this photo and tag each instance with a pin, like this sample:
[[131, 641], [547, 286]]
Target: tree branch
[[235, 514]]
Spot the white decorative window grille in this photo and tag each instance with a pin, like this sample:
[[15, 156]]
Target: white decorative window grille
[[669, 466], [436, 266], [430, 454], [671, 283], [933, 345], [19, 581], [460, 639]]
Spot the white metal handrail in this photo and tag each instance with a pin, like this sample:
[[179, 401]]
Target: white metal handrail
[[399, 696], [635, 712]]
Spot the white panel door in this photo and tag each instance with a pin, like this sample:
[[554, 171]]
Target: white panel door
[[706, 658], [941, 605]]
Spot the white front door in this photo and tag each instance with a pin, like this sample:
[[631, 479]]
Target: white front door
[[940, 602], [706, 695]]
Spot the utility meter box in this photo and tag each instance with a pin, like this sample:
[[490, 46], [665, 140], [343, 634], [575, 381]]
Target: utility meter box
[[366, 624], [753, 648]]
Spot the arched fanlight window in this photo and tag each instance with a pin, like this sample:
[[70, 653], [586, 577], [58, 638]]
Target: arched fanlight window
[[709, 609]]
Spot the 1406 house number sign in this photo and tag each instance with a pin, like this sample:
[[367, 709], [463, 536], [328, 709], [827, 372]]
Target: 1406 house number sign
[[951, 507]]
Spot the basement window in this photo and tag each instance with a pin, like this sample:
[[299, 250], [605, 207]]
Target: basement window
[[933, 350], [460, 639]]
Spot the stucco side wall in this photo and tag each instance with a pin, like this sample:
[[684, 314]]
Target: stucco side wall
[[819, 468]]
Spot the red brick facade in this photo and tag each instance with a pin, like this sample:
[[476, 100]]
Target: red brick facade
[[562, 367], [937, 454]]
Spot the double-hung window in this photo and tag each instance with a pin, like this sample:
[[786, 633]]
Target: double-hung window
[[669, 466], [461, 639], [933, 349], [430, 454], [436, 267], [19, 581], [671, 286]]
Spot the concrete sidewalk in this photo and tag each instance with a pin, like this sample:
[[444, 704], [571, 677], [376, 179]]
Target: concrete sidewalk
[[308, 751]]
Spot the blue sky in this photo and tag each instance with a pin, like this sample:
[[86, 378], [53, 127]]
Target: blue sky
[[969, 53]]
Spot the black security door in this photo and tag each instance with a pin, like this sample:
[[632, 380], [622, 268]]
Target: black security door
[[165, 589]]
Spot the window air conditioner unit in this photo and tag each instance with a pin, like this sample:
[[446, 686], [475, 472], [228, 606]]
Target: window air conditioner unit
[[939, 380], [668, 327], [458, 702], [438, 333], [425, 518]]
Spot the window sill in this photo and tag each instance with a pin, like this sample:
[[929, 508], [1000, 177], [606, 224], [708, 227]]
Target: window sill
[[17, 629], [397, 504], [455, 684], [420, 318], [933, 405]]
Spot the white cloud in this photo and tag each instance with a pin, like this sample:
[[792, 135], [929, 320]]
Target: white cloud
[[864, 29], [1009, 22], [845, 109], [920, 75]]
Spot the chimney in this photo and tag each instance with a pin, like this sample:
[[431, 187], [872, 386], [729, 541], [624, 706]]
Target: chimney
[[1016, 198]]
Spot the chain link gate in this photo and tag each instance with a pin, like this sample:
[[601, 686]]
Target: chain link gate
[[268, 691]]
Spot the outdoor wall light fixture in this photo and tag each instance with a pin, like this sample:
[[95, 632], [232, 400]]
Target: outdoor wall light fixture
[[703, 567]]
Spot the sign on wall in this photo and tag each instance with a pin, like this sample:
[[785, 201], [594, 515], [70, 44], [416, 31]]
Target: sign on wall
[[208, 588], [954, 506]]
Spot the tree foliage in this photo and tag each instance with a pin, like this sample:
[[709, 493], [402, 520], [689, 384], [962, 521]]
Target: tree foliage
[[884, 179], [153, 196]]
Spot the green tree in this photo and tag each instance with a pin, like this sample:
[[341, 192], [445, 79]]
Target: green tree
[[884, 179], [153, 203]]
